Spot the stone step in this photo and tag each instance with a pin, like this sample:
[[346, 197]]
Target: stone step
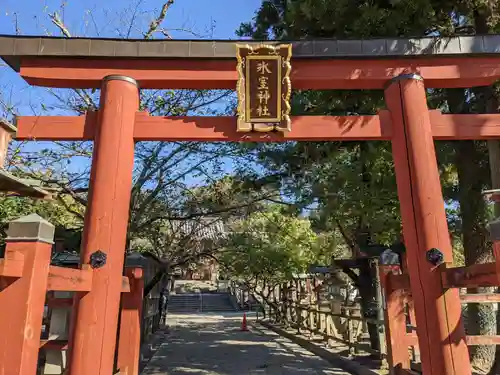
[[200, 302]]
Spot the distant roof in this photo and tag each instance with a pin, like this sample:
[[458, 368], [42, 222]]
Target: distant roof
[[16, 186], [13, 185], [12, 48], [202, 228]]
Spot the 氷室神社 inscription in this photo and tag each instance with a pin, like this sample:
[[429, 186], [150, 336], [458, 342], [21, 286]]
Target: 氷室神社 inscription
[[264, 87]]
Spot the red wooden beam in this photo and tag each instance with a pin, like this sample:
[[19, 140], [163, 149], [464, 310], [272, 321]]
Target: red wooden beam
[[483, 340], [401, 281], [125, 284], [473, 276], [397, 354], [68, 302], [480, 298], [464, 126], [54, 344], [304, 128], [221, 74], [64, 128], [412, 340], [129, 343], [11, 268], [156, 128], [70, 279], [464, 298]]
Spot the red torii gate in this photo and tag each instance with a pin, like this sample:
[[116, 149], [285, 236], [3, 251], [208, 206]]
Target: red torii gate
[[407, 123]]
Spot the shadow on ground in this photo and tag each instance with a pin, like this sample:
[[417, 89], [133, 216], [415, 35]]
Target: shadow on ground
[[216, 346], [361, 356]]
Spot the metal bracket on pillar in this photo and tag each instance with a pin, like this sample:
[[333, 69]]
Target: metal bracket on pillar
[[435, 257], [98, 259], [116, 77], [402, 77]]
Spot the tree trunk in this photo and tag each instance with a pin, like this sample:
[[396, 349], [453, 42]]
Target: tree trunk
[[494, 156], [481, 319], [489, 97], [471, 160], [368, 290], [490, 100]]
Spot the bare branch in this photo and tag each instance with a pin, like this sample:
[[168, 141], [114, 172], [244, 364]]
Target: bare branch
[[84, 96], [134, 15], [56, 20], [155, 24], [200, 214], [16, 24], [166, 32]]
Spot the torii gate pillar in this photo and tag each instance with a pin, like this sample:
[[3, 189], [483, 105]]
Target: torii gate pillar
[[105, 230], [441, 336]]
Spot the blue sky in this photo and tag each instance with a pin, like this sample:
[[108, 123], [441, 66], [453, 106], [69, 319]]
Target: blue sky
[[216, 19], [80, 15], [186, 19]]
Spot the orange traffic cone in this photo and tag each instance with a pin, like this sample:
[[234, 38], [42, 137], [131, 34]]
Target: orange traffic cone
[[244, 327]]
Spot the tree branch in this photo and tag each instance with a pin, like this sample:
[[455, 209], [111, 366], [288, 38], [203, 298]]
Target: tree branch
[[56, 20], [155, 24], [199, 214], [347, 239]]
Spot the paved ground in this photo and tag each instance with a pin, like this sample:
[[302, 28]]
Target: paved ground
[[211, 344]]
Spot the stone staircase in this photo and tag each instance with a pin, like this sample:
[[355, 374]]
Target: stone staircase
[[184, 303], [217, 302], [200, 303]]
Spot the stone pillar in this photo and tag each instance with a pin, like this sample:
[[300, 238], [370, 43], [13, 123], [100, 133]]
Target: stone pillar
[[95, 322], [55, 359], [29, 245], [440, 330]]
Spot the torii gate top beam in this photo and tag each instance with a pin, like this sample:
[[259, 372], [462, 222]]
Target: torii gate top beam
[[317, 64]]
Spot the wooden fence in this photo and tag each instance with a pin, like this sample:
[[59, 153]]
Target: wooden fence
[[38, 299], [342, 325], [337, 322], [346, 327], [58, 308], [401, 327], [152, 304]]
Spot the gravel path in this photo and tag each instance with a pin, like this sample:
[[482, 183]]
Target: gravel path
[[214, 345]]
